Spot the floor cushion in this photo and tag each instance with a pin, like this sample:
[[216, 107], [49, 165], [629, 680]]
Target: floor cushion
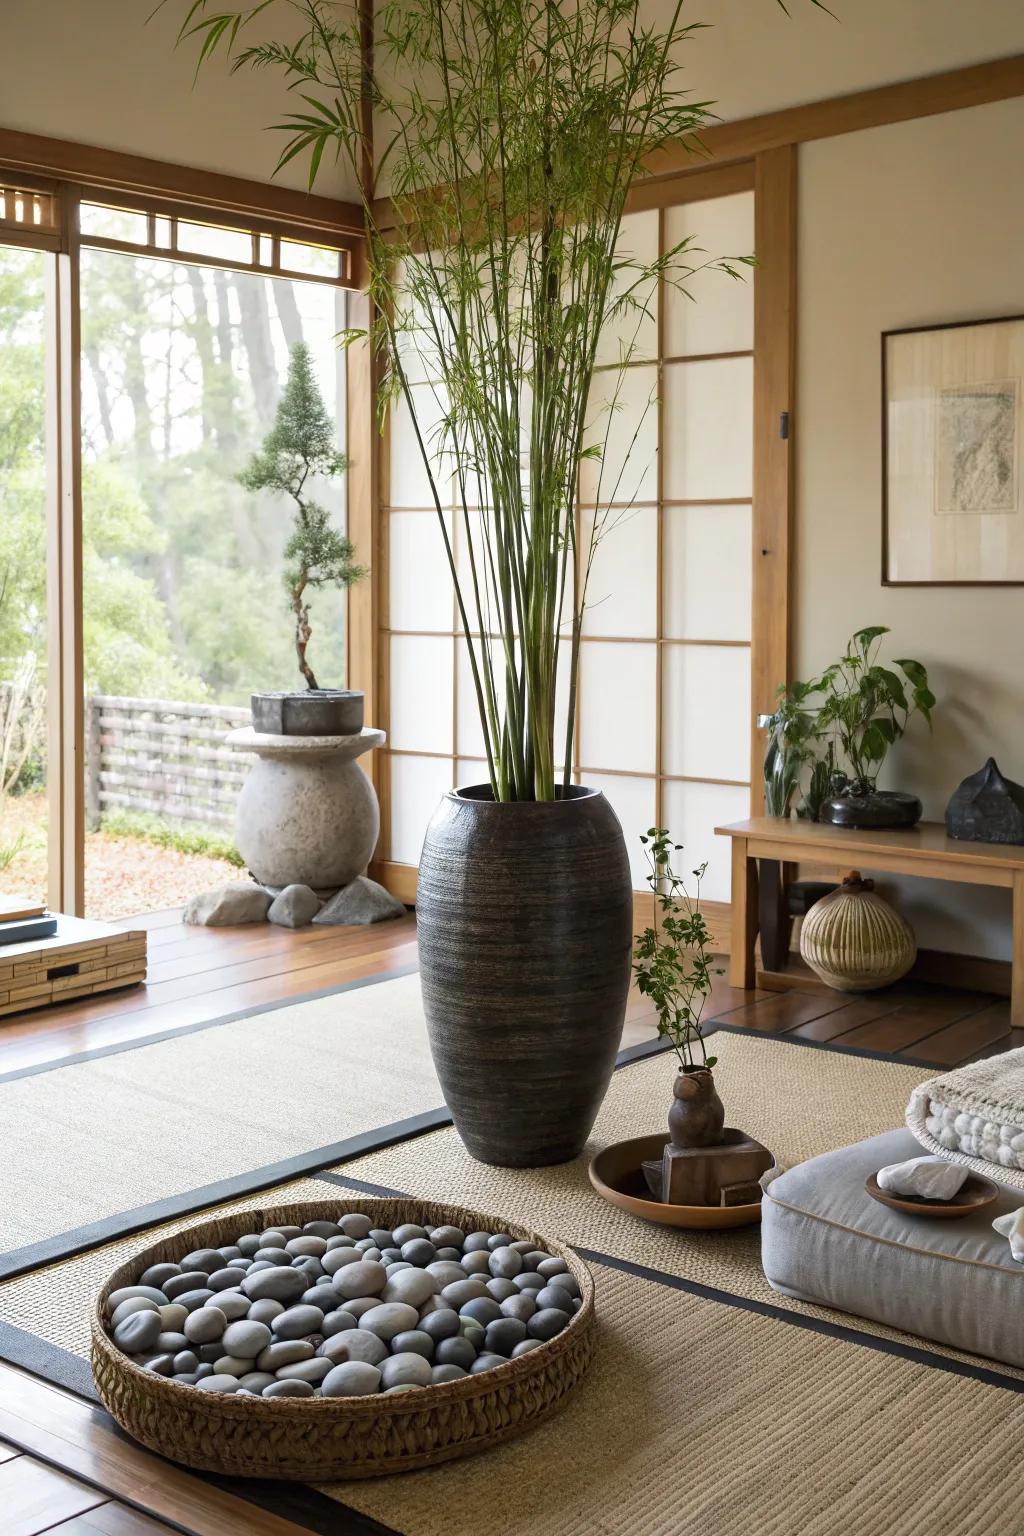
[[824, 1239]]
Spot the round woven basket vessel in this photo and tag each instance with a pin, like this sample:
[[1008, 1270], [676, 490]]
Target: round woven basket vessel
[[854, 940], [323, 1438]]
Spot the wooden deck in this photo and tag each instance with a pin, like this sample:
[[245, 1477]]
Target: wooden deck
[[64, 1469]]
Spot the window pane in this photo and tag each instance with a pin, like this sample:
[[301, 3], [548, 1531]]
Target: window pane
[[716, 311], [23, 628], [692, 812], [707, 573], [709, 430], [113, 223], [212, 240], [185, 607], [706, 714], [316, 260]]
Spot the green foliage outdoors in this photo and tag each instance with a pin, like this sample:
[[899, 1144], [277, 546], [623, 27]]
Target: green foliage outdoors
[[302, 447], [184, 839], [840, 725], [670, 959]]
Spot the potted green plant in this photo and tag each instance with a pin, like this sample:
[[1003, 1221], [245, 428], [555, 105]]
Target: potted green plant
[[507, 137], [841, 725], [673, 968], [299, 450]]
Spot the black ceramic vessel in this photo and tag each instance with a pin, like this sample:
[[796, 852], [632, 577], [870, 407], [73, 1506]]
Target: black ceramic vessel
[[525, 923], [875, 808], [308, 712]]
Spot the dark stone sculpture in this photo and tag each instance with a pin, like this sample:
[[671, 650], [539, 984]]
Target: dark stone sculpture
[[987, 808]]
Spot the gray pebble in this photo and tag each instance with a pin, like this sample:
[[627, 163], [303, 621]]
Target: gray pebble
[[525, 1347], [391, 1256], [451, 1255], [286, 1353], [546, 1322], [288, 1389], [225, 1280], [205, 1325], [186, 1378], [529, 1281], [279, 1284], [149, 1292], [419, 1251], [355, 1225], [341, 1241], [486, 1362], [233, 1365], [193, 1300], [447, 1237], [361, 1304], [273, 1237], [216, 1383], [205, 1259], [297, 1322], [455, 1352], [337, 1322], [322, 1295], [521, 1305], [407, 1232], [534, 1257], [233, 1304], [389, 1318], [306, 1246], [446, 1272], [412, 1286], [360, 1280], [275, 1256], [443, 1324], [130, 1307], [470, 1329], [404, 1386], [552, 1266], [443, 1373], [505, 1263], [311, 1268], [172, 1316], [477, 1263], [188, 1280], [355, 1378], [565, 1282], [501, 1290], [337, 1258], [257, 1380], [266, 1310], [185, 1361], [230, 1251], [208, 1353], [381, 1237], [138, 1333], [553, 1296], [522, 1245], [171, 1343], [161, 1365], [246, 1339], [498, 1240], [324, 1229], [483, 1310], [405, 1370], [462, 1291], [414, 1342], [355, 1344], [476, 1242], [305, 1370], [156, 1274], [205, 1369], [502, 1336], [248, 1245]]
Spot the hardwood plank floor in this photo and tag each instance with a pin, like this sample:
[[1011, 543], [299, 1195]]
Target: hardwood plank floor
[[64, 1468]]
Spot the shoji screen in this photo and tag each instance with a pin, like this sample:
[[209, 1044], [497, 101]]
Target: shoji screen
[[665, 714]]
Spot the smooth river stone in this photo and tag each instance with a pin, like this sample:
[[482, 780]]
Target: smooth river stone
[[278, 1257], [161, 1365], [126, 1292], [553, 1296], [246, 1339], [382, 1238], [477, 1263], [233, 1304], [501, 1290], [407, 1232], [405, 1370], [297, 1322], [337, 1322], [533, 1257], [188, 1280], [565, 1282], [486, 1362], [193, 1300], [442, 1373], [413, 1286], [324, 1229], [306, 1370], [355, 1225], [389, 1318], [337, 1258], [446, 1272], [156, 1274], [360, 1305], [415, 1342], [185, 1362], [529, 1281], [341, 1241], [455, 1352], [355, 1344], [352, 1379], [233, 1365], [461, 1291], [273, 1237], [206, 1259], [205, 1325], [172, 1343], [476, 1242], [280, 1284], [322, 1295], [130, 1307], [248, 1244], [525, 1347], [505, 1263], [306, 1246], [447, 1237], [502, 1336], [442, 1324], [521, 1305], [420, 1251], [172, 1316], [257, 1380], [482, 1310], [498, 1240], [225, 1280], [264, 1311], [551, 1265], [360, 1280], [289, 1389], [288, 1352], [546, 1322], [138, 1333], [216, 1383]]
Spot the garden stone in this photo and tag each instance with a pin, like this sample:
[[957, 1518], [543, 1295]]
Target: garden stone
[[363, 901], [264, 1311], [521, 1305], [276, 1257], [172, 1316], [498, 1240], [381, 1238], [205, 1325], [462, 1291], [360, 1280], [240, 901], [138, 1333], [413, 1286], [477, 1263], [501, 1290], [204, 1261], [355, 1344], [405, 1370], [297, 1322], [525, 1347], [230, 1251], [522, 1245], [455, 1352], [216, 1383], [549, 1266], [565, 1283], [445, 1272], [453, 1255], [248, 1245], [482, 1310], [353, 1379], [337, 1258], [324, 1229], [322, 1295], [442, 1324], [294, 907], [505, 1263], [246, 1339], [234, 1305], [306, 1246], [257, 1380], [447, 1237], [341, 1241], [204, 1370], [312, 1371], [553, 1296], [486, 1362], [419, 1251], [533, 1258], [208, 1353], [546, 1322], [130, 1307], [185, 1361], [188, 1280], [287, 1352], [288, 1389], [224, 1280], [529, 1281], [337, 1322], [161, 1365], [390, 1318], [414, 1342], [442, 1373], [171, 1343], [476, 1242], [126, 1292], [502, 1336], [156, 1274], [233, 1365], [361, 1304], [280, 1284]]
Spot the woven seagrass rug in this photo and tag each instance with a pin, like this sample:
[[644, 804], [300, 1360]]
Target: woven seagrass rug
[[714, 1407]]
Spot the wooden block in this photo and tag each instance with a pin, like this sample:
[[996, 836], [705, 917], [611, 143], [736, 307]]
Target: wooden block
[[700, 1175]]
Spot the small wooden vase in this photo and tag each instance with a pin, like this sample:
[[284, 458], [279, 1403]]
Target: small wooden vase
[[697, 1114]]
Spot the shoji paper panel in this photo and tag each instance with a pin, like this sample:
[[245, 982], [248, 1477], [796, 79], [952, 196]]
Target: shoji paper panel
[[633, 801], [419, 581], [719, 314], [709, 425], [623, 422], [693, 811], [634, 332], [620, 705], [422, 689], [706, 573], [409, 481], [707, 713], [622, 592], [417, 784]]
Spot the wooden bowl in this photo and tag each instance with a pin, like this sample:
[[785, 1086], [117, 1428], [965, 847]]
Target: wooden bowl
[[973, 1195], [320, 1439], [617, 1175]]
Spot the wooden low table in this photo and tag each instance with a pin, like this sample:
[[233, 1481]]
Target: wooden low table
[[924, 851], [81, 959]]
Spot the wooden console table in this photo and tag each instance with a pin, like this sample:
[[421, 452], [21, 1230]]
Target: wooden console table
[[924, 851]]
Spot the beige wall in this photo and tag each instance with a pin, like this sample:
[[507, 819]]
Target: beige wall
[[907, 225]]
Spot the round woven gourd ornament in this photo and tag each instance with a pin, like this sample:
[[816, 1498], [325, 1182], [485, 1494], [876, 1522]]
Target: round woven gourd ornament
[[854, 940]]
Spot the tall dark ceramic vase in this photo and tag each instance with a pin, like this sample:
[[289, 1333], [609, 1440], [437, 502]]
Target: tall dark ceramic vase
[[525, 923]]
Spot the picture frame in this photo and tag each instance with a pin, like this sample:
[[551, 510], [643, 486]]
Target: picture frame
[[953, 454]]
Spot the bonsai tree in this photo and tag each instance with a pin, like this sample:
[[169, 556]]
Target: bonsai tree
[[670, 959], [299, 447]]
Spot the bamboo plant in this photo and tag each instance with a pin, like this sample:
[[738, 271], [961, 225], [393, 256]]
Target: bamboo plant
[[507, 134]]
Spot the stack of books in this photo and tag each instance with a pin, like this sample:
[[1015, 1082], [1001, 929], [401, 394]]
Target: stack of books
[[21, 920]]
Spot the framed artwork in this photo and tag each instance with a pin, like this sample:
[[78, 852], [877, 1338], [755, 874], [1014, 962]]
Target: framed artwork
[[952, 443]]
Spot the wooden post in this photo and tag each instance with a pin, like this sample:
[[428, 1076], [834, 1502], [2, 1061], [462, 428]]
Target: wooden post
[[93, 764], [1017, 960], [744, 916]]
